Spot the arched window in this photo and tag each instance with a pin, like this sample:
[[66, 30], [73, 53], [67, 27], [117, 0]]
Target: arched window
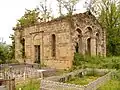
[[79, 31], [23, 48], [79, 42], [89, 35], [97, 40], [90, 29], [89, 46], [53, 45]]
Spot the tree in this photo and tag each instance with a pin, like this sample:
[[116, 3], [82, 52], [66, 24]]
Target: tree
[[69, 5], [110, 19], [29, 18], [45, 10], [12, 47], [4, 53], [60, 7]]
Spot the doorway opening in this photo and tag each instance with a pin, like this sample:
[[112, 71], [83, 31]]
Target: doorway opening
[[37, 53], [77, 48], [97, 40]]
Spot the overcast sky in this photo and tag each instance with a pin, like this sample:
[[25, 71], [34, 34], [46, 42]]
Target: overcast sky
[[11, 10]]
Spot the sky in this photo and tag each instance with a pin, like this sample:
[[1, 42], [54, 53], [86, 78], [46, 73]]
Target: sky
[[12, 10]]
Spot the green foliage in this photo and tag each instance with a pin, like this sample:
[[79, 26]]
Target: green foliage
[[12, 47], [31, 85], [84, 61], [110, 20], [82, 81], [7, 52], [78, 59], [30, 18], [4, 53], [113, 84], [81, 61]]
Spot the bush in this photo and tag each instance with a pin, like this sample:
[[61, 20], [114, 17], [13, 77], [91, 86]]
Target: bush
[[78, 59], [83, 61]]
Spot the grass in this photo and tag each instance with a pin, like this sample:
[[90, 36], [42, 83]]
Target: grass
[[113, 84], [84, 61], [30, 85], [82, 81]]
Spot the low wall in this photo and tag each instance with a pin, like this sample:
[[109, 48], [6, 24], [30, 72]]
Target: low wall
[[66, 77], [97, 83], [57, 82], [51, 85]]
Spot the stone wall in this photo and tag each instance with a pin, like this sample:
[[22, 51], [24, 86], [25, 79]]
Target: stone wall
[[57, 82], [67, 32], [85, 27]]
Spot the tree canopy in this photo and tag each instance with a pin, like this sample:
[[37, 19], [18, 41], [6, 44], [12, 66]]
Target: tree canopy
[[110, 19], [29, 18]]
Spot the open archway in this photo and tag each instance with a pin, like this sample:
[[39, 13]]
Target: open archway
[[78, 46]]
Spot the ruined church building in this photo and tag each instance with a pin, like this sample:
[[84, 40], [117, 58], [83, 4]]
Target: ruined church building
[[54, 43]]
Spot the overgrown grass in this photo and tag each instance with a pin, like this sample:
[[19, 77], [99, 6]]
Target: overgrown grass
[[82, 81], [30, 85], [81, 61], [113, 84]]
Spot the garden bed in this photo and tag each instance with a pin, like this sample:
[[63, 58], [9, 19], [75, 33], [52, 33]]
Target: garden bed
[[83, 80]]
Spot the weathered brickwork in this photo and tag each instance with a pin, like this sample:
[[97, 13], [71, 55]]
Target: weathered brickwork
[[54, 43]]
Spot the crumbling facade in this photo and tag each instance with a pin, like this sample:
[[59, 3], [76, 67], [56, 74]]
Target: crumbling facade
[[54, 43]]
